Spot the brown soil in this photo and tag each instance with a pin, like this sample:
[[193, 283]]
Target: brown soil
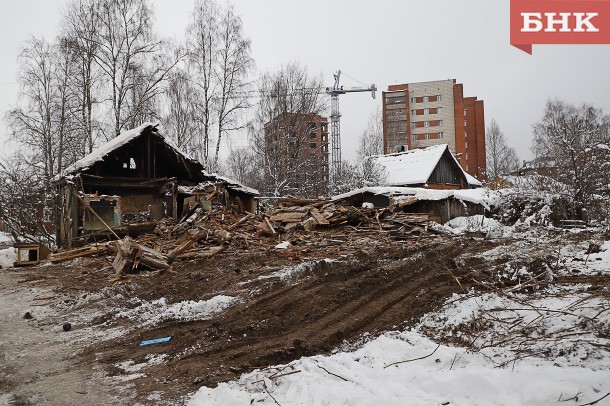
[[368, 287]]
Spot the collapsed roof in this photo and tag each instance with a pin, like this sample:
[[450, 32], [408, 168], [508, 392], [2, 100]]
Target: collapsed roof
[[144, 152]]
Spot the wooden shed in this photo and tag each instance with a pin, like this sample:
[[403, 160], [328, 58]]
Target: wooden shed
[[434, 167]]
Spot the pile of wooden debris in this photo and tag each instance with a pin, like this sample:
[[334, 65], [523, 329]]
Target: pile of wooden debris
[[207, 230]]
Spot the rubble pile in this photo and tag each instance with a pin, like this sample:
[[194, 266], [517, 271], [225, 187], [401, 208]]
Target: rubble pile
[[206, 230]]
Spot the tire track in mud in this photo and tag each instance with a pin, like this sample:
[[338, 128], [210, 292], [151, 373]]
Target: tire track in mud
[[310, 314]]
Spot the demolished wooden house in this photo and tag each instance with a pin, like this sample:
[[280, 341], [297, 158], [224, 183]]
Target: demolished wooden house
[[137, 177]]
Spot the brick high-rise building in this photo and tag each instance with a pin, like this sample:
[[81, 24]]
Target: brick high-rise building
[[297, 144], [418, 115]]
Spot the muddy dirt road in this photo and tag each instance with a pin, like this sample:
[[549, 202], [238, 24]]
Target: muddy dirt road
[[38, 362]]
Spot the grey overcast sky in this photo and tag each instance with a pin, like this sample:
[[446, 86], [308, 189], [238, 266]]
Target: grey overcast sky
[[382, 42]]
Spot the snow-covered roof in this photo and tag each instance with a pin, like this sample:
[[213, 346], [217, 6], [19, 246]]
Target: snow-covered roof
[[415, 167], [417, 193], [124, 138], [236, 185], [471, 179], [232, 184]]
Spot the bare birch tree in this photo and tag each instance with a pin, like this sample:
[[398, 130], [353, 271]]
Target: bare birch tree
[[80, 31], [42, 122], [131, 61], [181, 114], [220, 59], [501, 158], [368, 171], [283, 129], [233, 66]]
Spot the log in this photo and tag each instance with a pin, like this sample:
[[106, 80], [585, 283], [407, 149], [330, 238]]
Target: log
[[240, 222], [205, 253], [184, 246], [154, 263], [127, 253]]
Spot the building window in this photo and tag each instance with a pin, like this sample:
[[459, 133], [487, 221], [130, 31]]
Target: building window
[[412, 99], [395, 112], [427, 136], [426, 111], [438, 98], [466, 167], [312, 145], [439, 123], [466, 145], [426, 124], [413, 112], [467, 156], [439, 110], [413, 136], [440, 135], [465, 123], [464, 113], [413, 125], [465, 134], [426, 99]]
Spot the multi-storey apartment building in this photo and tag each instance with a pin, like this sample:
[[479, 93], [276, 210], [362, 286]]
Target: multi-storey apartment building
[[298, 146], [418, 115]]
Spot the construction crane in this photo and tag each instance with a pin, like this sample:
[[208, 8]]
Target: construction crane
[[335, 121]]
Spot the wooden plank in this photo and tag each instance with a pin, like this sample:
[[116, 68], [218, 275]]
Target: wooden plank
[[320, 219], [291, 217], [184, 246], [81, 254]]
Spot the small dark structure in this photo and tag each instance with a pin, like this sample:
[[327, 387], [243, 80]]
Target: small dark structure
[[30, 253], [134, 178]]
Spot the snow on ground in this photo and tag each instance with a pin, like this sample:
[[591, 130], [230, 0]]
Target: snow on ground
[[550, 346], [568, 324], [491, 227], [450, 376], [157, 311], [7, 257], [290, 272], [5, 238]]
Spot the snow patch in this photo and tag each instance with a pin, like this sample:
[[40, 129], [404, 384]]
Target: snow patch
[[157, 311], [450, 376], [7, 257]]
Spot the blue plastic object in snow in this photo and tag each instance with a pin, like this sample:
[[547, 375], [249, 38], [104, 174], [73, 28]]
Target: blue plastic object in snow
[[155, 341]]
